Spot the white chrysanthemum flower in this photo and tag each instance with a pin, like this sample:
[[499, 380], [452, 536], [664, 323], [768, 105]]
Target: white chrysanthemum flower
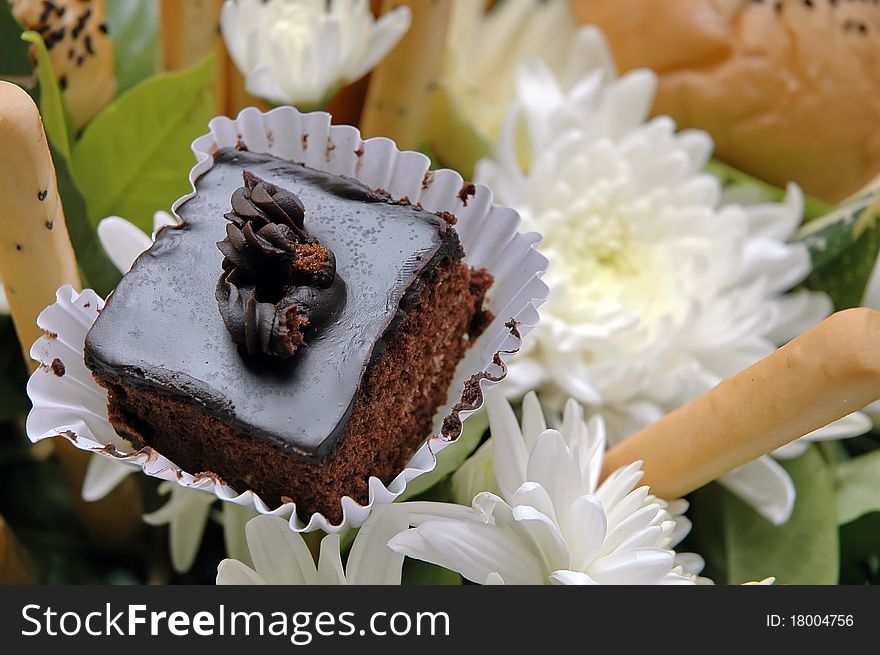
[[300, 52], [553, 523], [186, 514], [658, 290], [280, 556], [480, 69]]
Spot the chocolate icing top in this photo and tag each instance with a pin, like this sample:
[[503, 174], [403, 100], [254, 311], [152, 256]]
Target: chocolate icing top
[[161, 328], [277, 280]]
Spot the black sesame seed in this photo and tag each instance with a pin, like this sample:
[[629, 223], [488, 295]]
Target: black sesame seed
[[71, 54], [778, 7], [79, 60], [863, 29], [808, 4], [54, 38], [88, 43], [62, 82], [49, 225], [18, 246], [41, 195], [102, 28]]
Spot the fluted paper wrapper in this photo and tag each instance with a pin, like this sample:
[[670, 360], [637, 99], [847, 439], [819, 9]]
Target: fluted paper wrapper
[[68, 403]]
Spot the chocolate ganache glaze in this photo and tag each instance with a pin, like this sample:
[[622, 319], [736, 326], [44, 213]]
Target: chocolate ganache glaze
[[161, 327], [277, 281]]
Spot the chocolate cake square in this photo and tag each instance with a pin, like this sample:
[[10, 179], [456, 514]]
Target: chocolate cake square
[[295, 335]]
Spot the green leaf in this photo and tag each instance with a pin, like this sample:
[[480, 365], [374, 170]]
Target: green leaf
[[475, 475], [56, 117], [133, 26], [802, 551], [13, 378], [15, 62], [857, 482], [96, 270], [844, 246], [860, 550], [451, 457], [730, 176], [134, 158], [416, 572]]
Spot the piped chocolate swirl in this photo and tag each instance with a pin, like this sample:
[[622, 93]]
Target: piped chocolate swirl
[[278, 282]]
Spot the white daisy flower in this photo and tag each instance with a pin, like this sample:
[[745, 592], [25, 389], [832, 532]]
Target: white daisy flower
[[553, 522], [281, 556], [480, 70], [300, 52], [659, 291]]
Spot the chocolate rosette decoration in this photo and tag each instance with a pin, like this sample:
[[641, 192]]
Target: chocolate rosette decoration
[[277, 282]]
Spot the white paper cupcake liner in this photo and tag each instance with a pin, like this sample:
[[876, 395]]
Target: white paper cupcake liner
[[68, 403]]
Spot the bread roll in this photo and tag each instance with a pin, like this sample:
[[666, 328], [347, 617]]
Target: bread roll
[[80, 50], [789, 89]]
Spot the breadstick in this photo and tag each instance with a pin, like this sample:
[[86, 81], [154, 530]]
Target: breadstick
[[35, 252], [818, 377], [35, 259], [402, 86]]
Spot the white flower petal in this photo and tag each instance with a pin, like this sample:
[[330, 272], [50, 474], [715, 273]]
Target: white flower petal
[[233, 572], [280, 555], [533, 422], [571, 578], [508, 447], [851, 425], [102, 476], [186, 514], [474, 550], [545, 536], [552, 466], [639, 566], [371, 561], [122, 241], [330, 571], [585, 529], [764, 485], [386, 33]]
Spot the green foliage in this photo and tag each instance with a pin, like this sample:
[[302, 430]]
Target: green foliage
[[134, 157], [740, 545], [53, 110], [860, 550], [477, 474], [13, 375], [844, 246], [451, 458], [96, 269], [134, 28], [857, 482], [15, 63], [416, 572]]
